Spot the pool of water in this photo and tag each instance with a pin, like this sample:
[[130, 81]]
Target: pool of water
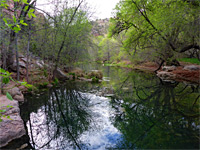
[[128, 110]]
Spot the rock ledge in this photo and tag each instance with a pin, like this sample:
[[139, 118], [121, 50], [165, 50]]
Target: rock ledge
[[12, 128]]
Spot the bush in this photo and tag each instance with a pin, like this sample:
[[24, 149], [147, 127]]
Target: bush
[[73, 74], [55, 82], [43, 85], [95, 80], [96, 73]]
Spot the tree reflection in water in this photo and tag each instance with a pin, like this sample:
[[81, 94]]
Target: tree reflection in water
[[145, 113], [60, 122], [157, 115]]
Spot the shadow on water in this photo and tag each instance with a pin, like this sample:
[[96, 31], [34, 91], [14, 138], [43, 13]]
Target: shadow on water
[[143, 113]]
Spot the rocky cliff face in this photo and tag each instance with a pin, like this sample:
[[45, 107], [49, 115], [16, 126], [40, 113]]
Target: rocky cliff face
[[100, 27]]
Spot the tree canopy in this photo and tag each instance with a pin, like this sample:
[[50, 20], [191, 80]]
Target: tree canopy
[[161, 28]]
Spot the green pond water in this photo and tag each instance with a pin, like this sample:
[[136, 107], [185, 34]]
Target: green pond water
[[128, 110]]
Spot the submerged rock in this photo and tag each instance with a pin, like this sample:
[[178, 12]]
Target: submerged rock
[[13, 127]]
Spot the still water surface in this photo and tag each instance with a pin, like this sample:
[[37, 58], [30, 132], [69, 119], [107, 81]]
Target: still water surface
[[128, 110]]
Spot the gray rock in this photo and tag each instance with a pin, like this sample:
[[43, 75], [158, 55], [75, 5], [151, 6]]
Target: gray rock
[[39, 63], [191, 67], [14, 65], [19, 98], [12, 91], [169, 68], [21, 56], [13, 128], [60, 75]]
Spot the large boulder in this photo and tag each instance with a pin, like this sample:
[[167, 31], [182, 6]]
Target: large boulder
[[12, 91], [14, 65], [60, 75], [13, 127]]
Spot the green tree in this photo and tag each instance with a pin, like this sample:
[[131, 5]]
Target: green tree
[[157, 28]]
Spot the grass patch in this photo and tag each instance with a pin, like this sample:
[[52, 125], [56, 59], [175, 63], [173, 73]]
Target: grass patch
[[190, 60]]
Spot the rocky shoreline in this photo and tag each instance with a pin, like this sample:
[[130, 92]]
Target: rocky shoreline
[[183, 73], [13, 127]]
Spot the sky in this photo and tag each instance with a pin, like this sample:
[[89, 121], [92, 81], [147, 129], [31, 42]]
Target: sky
[[102, 8]]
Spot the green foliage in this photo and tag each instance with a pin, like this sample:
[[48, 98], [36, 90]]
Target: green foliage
[[45, 73], [59, 29], [154, 30], [95, 80], [43, 85], [9, 96], [55, 82], [190, 60], [73, 74], [15, 23]]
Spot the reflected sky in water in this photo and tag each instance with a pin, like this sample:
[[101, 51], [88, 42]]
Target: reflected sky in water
[[143, 113], [101, 134]]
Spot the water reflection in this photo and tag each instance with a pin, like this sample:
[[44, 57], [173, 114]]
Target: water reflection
[[145, 113], [157, 115], [72, 119], [61, 120]]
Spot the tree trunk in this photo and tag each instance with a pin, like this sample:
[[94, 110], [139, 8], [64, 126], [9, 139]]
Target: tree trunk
[[160, 66], [64, 37], [27, 54], [17, 56], [10, 54]]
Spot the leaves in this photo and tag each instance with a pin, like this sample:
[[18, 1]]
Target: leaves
[[6, 80], [31, 13], [161, 25], [15, 22], [23, 23], [9, 96], [25, 84]]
